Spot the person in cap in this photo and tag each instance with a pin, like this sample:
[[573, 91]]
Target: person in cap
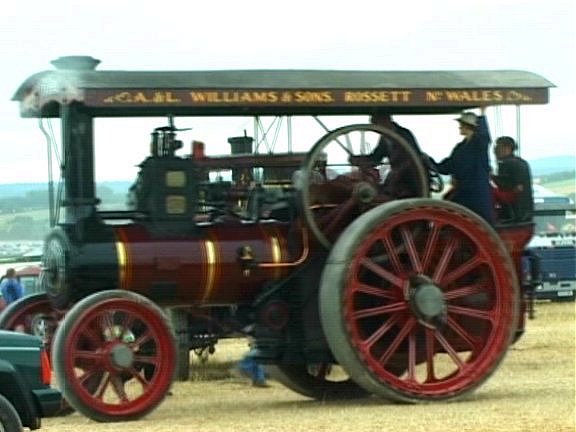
[[513, 184], [469, 166]]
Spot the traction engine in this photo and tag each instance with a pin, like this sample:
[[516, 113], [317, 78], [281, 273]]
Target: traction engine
[[346, 292]]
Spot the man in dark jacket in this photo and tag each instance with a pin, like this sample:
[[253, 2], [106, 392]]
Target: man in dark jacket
[[402, 180], [469, 166], [513, 192]]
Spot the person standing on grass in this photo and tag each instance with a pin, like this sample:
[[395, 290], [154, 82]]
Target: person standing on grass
[[11, 288]]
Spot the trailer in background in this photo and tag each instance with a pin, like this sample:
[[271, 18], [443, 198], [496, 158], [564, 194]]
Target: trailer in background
[[554, 244]]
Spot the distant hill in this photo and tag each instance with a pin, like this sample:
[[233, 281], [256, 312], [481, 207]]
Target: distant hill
[[552, 164], [21, 189]]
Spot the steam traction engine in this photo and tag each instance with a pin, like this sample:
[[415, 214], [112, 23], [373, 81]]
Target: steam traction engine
[[346, 292]]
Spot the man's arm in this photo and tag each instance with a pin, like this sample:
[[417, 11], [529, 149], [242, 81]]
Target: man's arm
[[380, 152], [445, 166], [482, 131]]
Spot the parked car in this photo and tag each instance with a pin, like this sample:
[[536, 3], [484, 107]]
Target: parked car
[[26, 395]]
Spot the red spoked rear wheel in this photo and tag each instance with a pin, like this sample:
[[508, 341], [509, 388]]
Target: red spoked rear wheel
[[116, 354], [419, 300]]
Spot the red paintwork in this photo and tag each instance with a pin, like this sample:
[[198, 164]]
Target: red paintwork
[[184, 262], [516, 238]]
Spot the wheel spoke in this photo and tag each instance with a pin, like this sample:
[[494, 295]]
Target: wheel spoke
[[118, 386], [464, 291], [466, 337], [445, 259], [430, 351], [472, 313], [106, 321], [411, 249], [381, 331], [142, 339], [412, 358], [449, 350], [138, 376], [92, 380], [462, 270], [380, 310], [383, 273], [348, 147], [404, 331], [94, 356], [127, 323], [93, 336], [373, 291], [104, 382], [431, 245], [392, 254], [153, 360]]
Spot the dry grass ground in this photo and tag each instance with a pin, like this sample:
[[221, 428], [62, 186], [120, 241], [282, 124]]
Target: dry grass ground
[[533, 390]]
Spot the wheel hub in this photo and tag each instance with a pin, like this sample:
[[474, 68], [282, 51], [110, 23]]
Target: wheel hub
[[428, 303], [365, 192], [43, 326], [121, 356]]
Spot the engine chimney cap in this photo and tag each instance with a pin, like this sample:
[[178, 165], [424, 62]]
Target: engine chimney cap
[[76, 63]]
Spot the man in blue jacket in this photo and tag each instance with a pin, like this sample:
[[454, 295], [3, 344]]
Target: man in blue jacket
[[10, 287], [469, 166]]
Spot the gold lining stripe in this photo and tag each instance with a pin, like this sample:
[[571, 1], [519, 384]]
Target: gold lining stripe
[[276, 250], [276, 254], [210, 268], [122, 264]]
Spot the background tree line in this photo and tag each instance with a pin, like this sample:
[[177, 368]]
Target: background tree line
[[26, 217], [557, 176]]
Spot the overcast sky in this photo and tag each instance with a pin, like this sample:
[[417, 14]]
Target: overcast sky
[[531, 35]]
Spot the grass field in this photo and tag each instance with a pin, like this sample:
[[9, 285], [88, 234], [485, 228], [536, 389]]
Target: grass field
[[533, 390], [564, 187]]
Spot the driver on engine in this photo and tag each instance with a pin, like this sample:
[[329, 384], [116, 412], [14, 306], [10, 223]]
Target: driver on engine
[[401, 181]]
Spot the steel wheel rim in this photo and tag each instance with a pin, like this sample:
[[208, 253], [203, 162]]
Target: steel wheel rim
[[401, 347], [101, 357]]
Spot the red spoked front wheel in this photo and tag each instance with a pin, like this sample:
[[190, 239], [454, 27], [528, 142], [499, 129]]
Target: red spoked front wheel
[[419, 300], [114, 356]]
